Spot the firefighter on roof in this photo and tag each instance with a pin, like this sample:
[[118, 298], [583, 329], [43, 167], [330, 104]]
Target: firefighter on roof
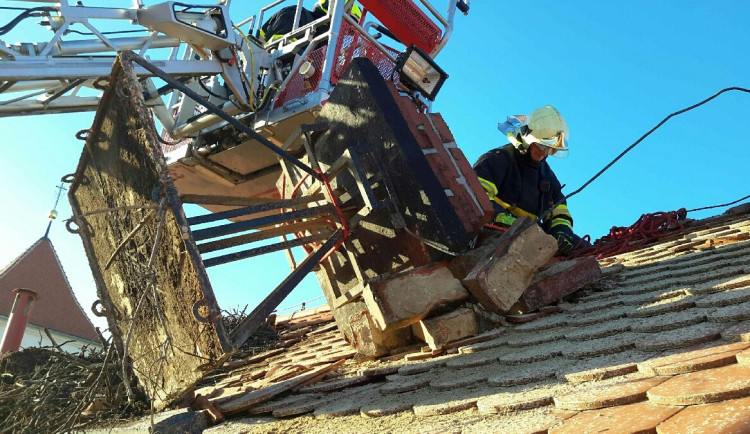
[[518, 180]]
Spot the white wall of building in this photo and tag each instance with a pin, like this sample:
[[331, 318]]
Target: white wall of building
[[35, 337]]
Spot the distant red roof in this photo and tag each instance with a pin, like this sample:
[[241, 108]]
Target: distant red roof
[[40, 270]]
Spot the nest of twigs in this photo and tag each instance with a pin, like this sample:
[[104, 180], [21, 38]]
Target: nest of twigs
[[263, 339], [49, 390]]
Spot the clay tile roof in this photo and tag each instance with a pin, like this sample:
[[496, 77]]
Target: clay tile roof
[[661, 342], [40, 270]]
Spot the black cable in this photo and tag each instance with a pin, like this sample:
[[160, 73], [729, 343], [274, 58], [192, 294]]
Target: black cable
[[27, 13], [720, 206], [114, 32], [9, 8], [204, 87], [544, 214]]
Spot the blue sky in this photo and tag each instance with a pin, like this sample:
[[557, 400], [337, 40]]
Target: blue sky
[[613, 69]]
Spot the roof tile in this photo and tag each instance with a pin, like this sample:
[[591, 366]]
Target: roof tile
[[737, 332], [687, 336], [603, 367], [599, 397], [673, 304], [525, 374], [640, 417], [738, 312], [725, 298], [600, 346], [704, 356], [722, 417], [703, 387], [601, 330], [670, 321]]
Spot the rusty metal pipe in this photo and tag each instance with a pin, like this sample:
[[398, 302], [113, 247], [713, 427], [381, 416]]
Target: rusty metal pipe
[[18, 319]]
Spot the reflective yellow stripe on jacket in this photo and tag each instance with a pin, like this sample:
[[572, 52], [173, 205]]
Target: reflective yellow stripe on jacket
[[491, 190], [561, 211]]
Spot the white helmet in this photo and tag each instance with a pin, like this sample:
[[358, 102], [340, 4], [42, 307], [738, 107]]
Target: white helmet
[[545, 126]]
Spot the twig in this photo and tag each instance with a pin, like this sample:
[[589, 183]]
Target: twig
[[130, 236], [49, 336]]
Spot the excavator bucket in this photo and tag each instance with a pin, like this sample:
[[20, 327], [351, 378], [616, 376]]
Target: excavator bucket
[[151, 282]]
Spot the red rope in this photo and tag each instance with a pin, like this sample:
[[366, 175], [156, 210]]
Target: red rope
[[647, 229], [496, 227]]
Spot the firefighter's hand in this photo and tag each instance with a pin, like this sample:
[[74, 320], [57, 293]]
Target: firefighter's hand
[[563, 233], [505, 219]]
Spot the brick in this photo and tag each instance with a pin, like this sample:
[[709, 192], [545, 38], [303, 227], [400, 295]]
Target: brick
[[607, 396], [558, 280], [408, 297], [642, 417], [702, 387], [499, 281], [439, 330], [722, 417], [355, 322], [703, 357], [484, 210], [462, 265]]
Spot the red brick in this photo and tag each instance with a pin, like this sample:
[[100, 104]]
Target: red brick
[[499, 281], [559, 280], [703, 387], [439, 330], [641, 417], [408, 297], [722, 417], [356, 322]]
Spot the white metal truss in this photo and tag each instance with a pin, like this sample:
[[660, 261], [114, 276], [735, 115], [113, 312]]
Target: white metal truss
[[198, 43]]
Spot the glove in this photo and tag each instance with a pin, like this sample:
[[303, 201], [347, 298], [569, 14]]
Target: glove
[[504, 219], [562, 230]]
